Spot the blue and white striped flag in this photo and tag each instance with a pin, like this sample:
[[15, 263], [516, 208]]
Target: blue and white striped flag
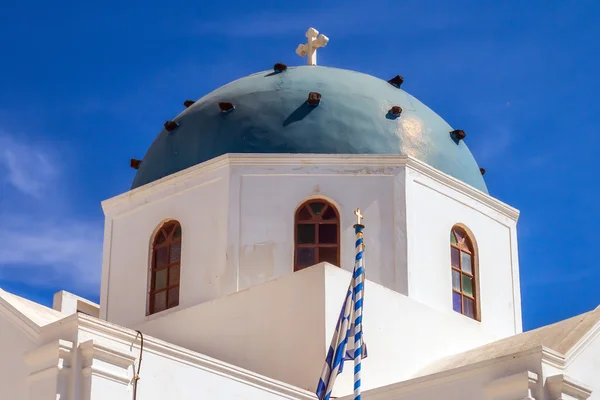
[[347, 342]]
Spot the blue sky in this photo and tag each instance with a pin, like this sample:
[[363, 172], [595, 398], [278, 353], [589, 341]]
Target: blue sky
[[86, 86]]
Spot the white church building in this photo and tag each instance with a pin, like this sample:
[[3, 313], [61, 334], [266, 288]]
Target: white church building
[[226, 264]]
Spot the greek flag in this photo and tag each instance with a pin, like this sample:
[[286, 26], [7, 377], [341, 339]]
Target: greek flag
[[347, 342]]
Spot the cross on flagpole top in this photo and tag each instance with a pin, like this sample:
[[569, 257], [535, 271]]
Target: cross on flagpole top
[[359, 216]]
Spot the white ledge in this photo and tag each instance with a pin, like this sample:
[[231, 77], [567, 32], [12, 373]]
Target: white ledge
[[164, 349], [91, 350], [26, 325], [395, 389], [299, 160], [562, 384], [517, 386], [104, 373], [56, 354]]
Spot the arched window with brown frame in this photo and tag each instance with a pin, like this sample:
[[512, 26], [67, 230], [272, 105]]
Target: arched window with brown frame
[[317, 234], [165, 268], [464, 273]]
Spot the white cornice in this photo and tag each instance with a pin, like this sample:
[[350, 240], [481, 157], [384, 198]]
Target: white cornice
[[51, 358], [562, 384], [118, 362], [516, 386], [583, 343], [126, 336], [546, 355], [298, 160], [26, 325], [91, 349], [525, 376], [54, 350], [463, 188], [553, 358], [167, 181]]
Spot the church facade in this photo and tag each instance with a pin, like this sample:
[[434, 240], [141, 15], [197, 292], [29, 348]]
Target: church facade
[[226, 264]]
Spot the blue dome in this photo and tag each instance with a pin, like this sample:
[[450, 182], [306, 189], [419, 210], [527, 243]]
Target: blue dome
[[272, 116]]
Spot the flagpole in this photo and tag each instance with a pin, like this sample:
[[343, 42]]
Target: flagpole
[[359, 273], [348, 327]]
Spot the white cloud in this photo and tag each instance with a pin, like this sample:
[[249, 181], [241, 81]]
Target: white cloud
[[39, 245], [51, 252], [28, 168]]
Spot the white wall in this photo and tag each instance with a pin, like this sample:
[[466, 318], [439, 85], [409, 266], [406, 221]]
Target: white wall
[[200, 205], [68, 303], [111, 354], [585, 367], [238, 229], [282, 329], [269, 197], [433, 209], [506, 379], [237, 216], [276, 329], [402, 335], [165, 378], [13, 370]]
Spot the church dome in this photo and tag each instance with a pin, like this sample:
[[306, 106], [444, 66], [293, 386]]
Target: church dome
[[272, 115]]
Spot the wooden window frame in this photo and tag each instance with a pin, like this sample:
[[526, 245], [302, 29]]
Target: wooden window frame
[[316, 220], [466, 246], [168, 230]]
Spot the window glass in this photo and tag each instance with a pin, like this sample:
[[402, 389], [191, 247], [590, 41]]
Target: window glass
[[306, 234], [317, 234], [463, 268], [166, 268], [328, 233]]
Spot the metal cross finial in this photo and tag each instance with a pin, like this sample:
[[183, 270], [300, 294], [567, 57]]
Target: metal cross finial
[[359, 216], [314, 42]]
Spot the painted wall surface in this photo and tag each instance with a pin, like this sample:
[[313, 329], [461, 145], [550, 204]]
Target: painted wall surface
[[13, 370], [68, 303], [503, 380], [433, 210], [268, 200], [276, 329], [402, 335], [103, 362], [283, 328], [166, 378], [237, 217], [585, 366], [167, 371], [201, 208], [103, 388]]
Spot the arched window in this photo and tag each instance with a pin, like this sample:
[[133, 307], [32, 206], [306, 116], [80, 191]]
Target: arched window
[[317, 236], [165, 268], [464, 273]]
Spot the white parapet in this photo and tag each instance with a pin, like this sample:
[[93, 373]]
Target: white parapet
[[68, 303]]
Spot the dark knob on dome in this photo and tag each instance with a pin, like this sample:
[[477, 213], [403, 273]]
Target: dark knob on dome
[[396, 81], [458, 134], [396, 111], [170, 126], [314, 98], [226, 107], [135, 163], [279, 67]]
